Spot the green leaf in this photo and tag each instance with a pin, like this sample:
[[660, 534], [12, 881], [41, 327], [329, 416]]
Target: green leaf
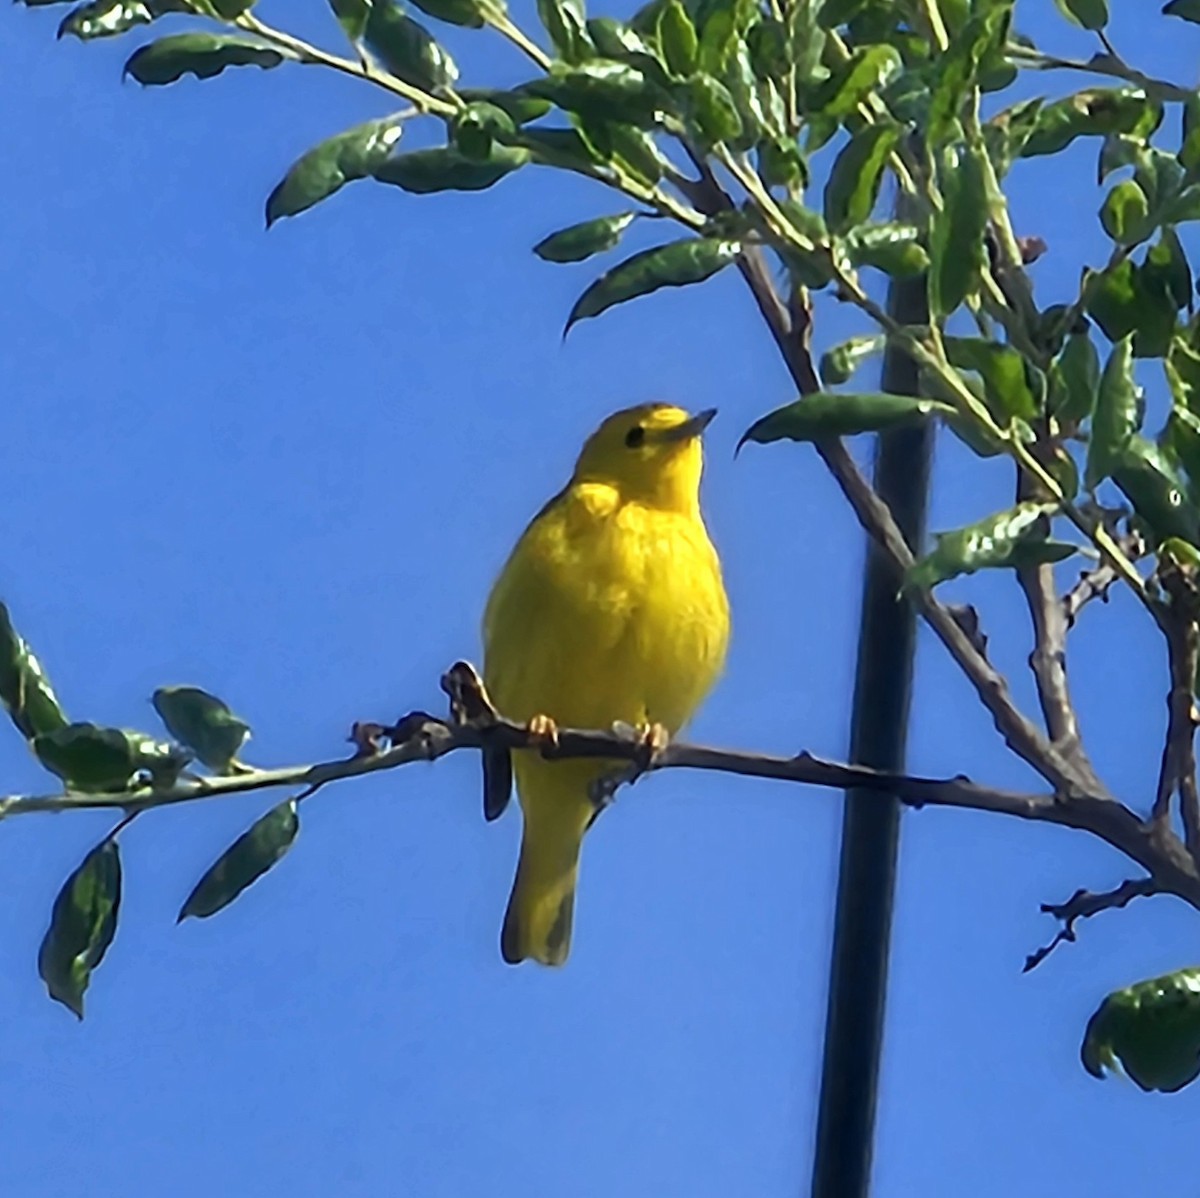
[[1150, 1030], [1187, 10], [806, 37], [329, 166], [840, 362], [1117, 415], [608, 91], [1123, 300], [467, 13], [107, 18], [260, 847], [677, 264], [840, 414], [867, 71], [203, 723], [407, 49], [25, 690], [581, 241], [781, 164], [1189, 150], [1093, 113], [1166, 263], [1152, 483], [678, 39], [891, 247], [713, 110], [477, 127], [956, 245], [1125, 214], [424, 171], [88, 757], [1003, 372], [352, 16], [1075, 380], [520, 105], [636, 151], [958, 70], [82, 926], [1087, 14], [1008, 132], [1014, 537], [564, 21], [201, 54], [853, 184]]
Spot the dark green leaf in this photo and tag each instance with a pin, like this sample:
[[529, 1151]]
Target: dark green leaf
[[1167, 260], [840, 414], [891, 247], [1152, 483], [713, 110], [352, 16], [106, 18], [635, 150], [520, 105], [958, 70], [25, 690], [468, 13], [1117, 415], [601, 90], [853, 184], [1125, 214], [867, 71], [329, 166], [1131, 299], [1093, 113], [1151, 1030], [677, 264], [425, 171], [806, 37], [565, 22], [1075, 380], [840, 362], [1184, 207], [201, 54], [1015, 537], [91, 758], [1181, 439], [1087, 14], [956, 250], [1188, 10], [407, 49], [781, 164], [203, 723], [1008, 132], [770, 51], [581, 241], [260, 847], [477, 127], [834, 13], [1189, 150], [747, 96], [82, 926], [1006, 381], [678, 39]]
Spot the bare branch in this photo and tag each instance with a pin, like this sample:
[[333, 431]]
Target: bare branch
[[1083, 904]]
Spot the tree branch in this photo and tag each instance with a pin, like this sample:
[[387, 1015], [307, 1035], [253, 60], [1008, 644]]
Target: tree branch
[[1083, 904]]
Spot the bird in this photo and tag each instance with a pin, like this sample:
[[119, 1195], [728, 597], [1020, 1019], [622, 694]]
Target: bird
[[610, 611]]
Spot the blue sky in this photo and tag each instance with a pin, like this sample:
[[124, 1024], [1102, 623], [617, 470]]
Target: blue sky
[[286, 467]]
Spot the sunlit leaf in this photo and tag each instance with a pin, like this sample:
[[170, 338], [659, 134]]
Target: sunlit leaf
[[107, 18], [82, 926], [956, 249], [840, 362], [1151, 481], [329, 166], [1075, 380], [853, 185], [868, 70], [1014, 537], [1093, 113], [1150, 1030], [1125, 214], [581, 241], [1117, 416], [88, 757], [892, 247], [565, 22], [25, 690], [678, 39], [407, 49]]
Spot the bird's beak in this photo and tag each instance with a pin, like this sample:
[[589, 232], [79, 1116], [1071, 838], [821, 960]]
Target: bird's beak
[[689, 429]]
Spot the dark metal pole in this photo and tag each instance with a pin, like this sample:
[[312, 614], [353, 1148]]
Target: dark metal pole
[[871, 822]]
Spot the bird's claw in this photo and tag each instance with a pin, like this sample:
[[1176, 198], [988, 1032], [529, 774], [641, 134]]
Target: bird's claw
[[651, 739], [543, 732], [469, 700]]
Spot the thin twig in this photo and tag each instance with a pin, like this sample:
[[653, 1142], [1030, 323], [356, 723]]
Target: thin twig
[[1083, 904]]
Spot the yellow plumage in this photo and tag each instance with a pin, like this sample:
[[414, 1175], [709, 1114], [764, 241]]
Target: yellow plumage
[[610, 608]]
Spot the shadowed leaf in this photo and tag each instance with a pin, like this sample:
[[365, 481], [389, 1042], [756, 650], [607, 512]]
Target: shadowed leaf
[[201, 54], [853, 185], [581, 241], [82, 925], [25, 690], [956, 246], [203, 723], [107, 18], [840, 414], [840, 362], [259, 848], [425, 171], [407, 49], [1118, 414]]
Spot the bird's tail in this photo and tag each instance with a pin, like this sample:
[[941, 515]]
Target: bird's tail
[[557, 812]]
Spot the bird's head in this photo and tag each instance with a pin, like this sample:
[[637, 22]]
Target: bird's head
[[650, 453]]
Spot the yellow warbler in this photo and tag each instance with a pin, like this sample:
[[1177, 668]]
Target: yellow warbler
[[610, 608]]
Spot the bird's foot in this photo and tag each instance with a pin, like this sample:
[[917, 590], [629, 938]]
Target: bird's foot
[[469, 700], [543, 732], [650, 740]]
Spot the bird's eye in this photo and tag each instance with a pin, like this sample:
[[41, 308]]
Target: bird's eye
[[635, 437]]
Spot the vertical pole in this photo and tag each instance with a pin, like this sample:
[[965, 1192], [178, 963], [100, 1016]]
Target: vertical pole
[[871, 822]]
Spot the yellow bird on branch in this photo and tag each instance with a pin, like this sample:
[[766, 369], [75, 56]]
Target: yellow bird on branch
[[610, 609]]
